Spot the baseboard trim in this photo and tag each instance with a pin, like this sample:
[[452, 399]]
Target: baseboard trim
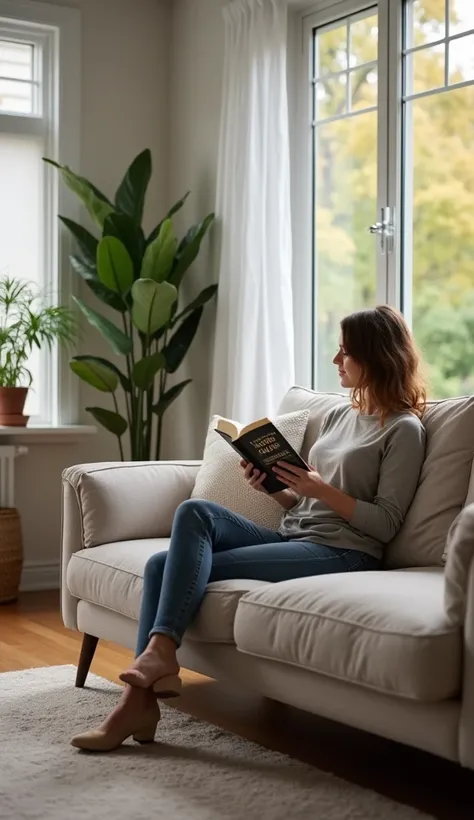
[[40, 576]]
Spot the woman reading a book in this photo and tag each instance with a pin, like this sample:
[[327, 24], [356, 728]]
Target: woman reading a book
[[338, 513]]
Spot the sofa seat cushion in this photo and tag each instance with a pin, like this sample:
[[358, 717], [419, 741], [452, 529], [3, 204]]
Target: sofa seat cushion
[[112, 576], [383, 630]]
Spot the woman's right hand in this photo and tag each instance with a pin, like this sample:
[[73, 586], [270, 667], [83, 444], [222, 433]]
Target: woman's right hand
[[253, 476]]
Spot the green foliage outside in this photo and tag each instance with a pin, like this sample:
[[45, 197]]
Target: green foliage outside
[[443, 201]]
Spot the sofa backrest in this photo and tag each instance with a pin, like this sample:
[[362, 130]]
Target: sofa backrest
[[445, 482]]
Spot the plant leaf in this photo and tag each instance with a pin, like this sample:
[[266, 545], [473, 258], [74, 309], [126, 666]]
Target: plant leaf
[[95, 374], [89, 274], [174, 210], [132, 236], [124, 381], [113, 422], [114, 265], [203, 297], [152, 303], [146, 369], [117, 339], [97, 205], [189, 249], [168, 398], [180, 342], [159, 255], [177, 207], [130, 196], [86, 241], [83, 268], [108, 297]]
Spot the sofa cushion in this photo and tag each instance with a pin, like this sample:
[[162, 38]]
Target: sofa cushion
[[383, 630], [444, 479], [112, 576], [221, 478], [442, 488]]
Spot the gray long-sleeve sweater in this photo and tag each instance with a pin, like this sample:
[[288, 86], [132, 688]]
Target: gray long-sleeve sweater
[[378, 466]]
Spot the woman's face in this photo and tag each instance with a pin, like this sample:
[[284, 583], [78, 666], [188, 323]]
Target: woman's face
[[348, 369]]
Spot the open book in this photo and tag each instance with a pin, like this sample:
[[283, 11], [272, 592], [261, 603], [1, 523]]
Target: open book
[[261, 444]]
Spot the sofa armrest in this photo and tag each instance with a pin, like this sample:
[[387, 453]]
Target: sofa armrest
[[112, 501], [459, 605]]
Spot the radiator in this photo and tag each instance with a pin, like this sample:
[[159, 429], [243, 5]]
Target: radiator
[[8, 454]]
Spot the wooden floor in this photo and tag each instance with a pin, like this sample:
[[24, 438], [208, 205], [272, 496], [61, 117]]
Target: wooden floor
[[32, 634]]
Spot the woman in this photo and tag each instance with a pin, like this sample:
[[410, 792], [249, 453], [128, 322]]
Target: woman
[[337, 517]]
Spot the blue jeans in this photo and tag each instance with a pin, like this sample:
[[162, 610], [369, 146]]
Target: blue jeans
[[211, 543]]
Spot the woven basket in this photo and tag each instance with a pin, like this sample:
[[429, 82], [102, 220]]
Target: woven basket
[[11, 554]]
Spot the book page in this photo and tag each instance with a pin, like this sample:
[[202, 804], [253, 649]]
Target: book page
[[254, 425], [229, 427]]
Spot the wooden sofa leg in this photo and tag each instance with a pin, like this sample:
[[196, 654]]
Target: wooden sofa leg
[[89, 645]]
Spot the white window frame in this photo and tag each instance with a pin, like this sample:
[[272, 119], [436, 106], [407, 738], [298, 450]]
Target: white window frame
[[57, 31], [394, 279]]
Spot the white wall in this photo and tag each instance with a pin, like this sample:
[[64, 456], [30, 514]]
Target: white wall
[[197, 59], [151, 77], [125, 108]]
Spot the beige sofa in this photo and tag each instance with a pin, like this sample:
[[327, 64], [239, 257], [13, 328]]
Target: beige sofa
[[390, 652]]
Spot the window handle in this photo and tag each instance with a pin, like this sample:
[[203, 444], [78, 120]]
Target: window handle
[[385, 229]]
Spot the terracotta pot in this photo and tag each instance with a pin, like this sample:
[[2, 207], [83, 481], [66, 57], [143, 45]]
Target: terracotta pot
[[12, 402]]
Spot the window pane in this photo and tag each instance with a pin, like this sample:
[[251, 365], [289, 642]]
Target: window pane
[[363, 88], [331, 97], [16, 97], [16, 60], [439, 216], [425, 21], [331, 50], [461, 59], [364, 37], [424, 70], [21, 218], [461, 16], [345, 253]]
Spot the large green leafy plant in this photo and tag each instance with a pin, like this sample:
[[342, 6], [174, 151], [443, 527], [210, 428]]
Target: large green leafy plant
[[140, 278], [27, 322]]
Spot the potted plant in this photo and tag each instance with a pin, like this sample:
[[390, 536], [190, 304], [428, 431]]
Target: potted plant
[[26, 322], [138, 277]]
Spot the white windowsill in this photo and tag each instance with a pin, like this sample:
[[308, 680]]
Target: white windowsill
[[46, 435]]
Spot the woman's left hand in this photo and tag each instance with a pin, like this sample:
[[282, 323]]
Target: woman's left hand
[[302, 482]]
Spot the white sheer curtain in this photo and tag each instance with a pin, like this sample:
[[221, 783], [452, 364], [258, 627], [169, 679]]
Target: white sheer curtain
[[254, 350]]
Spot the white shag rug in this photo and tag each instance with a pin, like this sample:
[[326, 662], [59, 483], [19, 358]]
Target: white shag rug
[[194, 771]]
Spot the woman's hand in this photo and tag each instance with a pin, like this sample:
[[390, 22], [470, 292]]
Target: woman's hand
[[253, 476], [286, 498], [304, 483]]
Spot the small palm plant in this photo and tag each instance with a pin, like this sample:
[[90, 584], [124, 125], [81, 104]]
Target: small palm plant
[[26, 322]]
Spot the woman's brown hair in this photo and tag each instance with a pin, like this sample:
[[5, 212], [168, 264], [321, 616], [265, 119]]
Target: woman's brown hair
[[381, 343]]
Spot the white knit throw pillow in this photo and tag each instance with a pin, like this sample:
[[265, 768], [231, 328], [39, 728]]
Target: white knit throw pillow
[[221, 479]]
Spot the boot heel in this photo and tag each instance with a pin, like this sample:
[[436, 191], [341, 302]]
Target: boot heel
[[168, 687], [144, 738], [146, 735]]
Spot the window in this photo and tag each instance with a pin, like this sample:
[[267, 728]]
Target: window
[[438, 188], [31, 127], [386, 138], [344, 127]]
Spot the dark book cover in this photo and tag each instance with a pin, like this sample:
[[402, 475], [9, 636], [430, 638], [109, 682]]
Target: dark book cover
[[263, 447]]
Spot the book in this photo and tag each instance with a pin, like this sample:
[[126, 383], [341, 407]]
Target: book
[[261, 444]]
